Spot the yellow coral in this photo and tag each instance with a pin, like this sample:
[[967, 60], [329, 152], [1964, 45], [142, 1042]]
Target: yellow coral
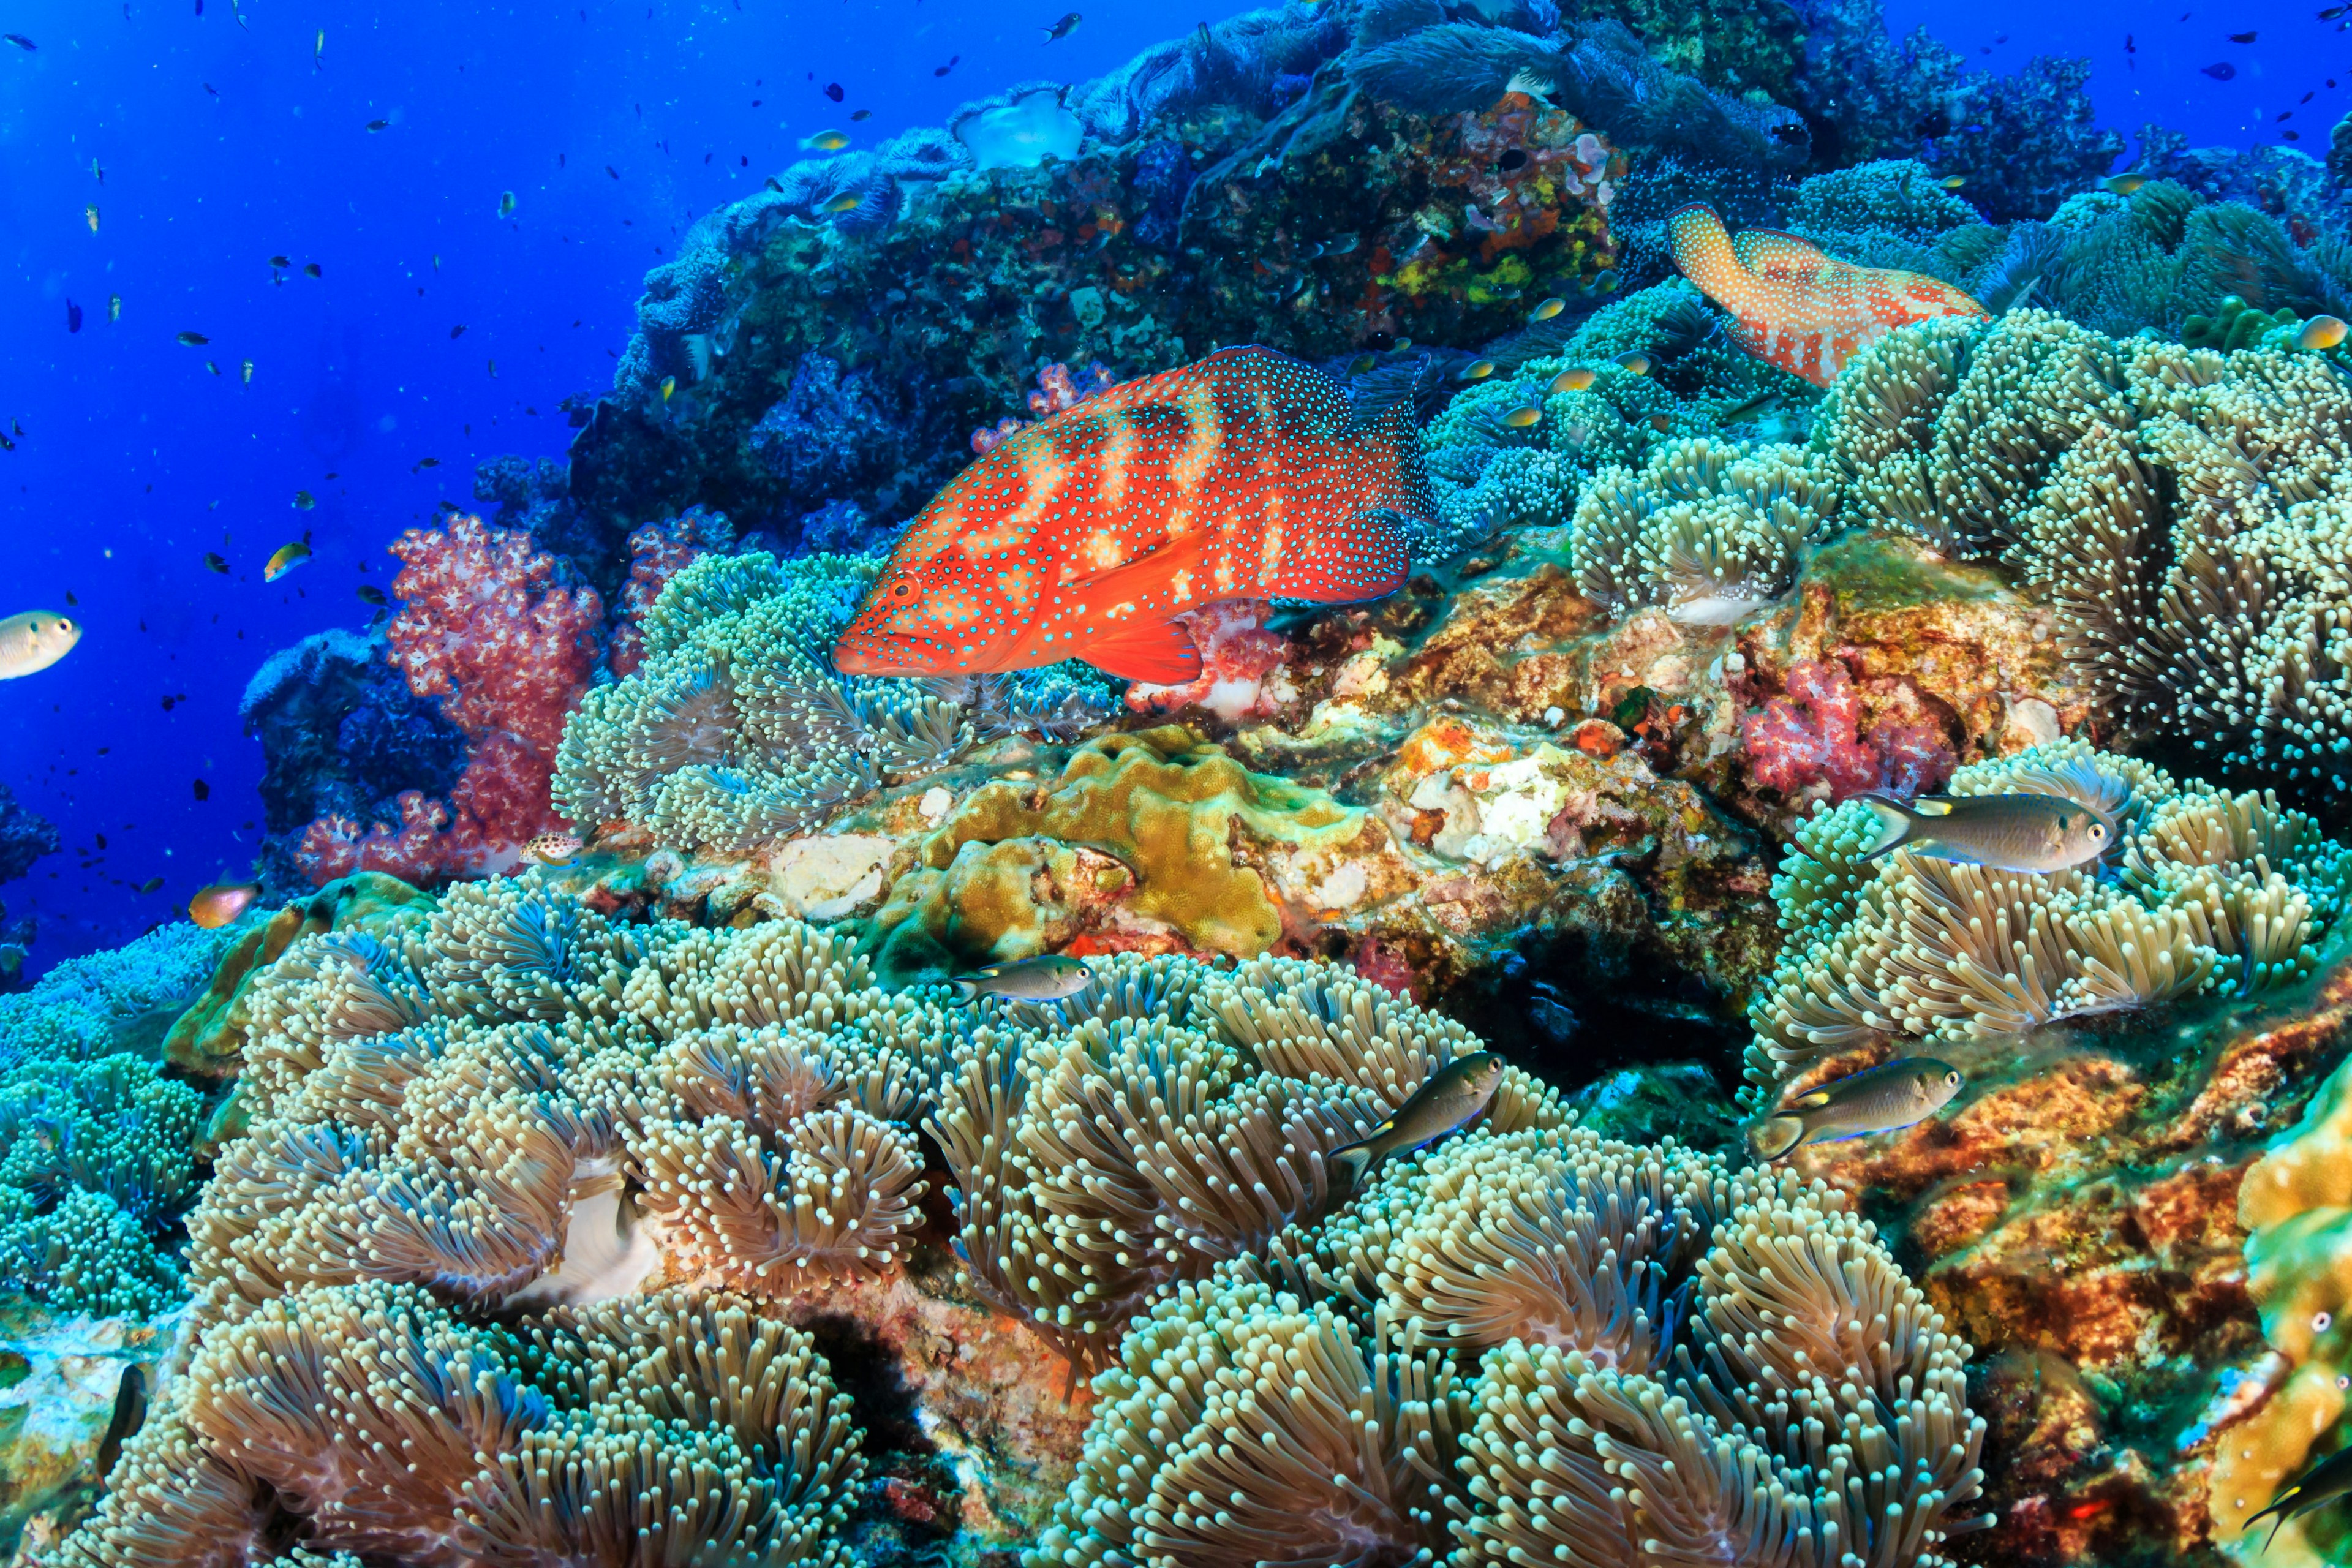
[[1166, 808]]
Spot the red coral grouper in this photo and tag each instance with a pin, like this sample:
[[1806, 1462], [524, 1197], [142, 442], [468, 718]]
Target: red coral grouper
[[1804, 311], [1243, 476]]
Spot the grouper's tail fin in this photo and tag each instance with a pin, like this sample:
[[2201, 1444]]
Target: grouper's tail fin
[[1703, 251]]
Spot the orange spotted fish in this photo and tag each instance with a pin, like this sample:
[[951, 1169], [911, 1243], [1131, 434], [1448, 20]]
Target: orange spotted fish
[[1246, 476], [1804, 311]]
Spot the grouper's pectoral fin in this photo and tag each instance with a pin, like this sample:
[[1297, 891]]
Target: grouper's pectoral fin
[[1160, 651], [1123, 620]]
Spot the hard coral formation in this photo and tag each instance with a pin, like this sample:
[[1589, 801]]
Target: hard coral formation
[[24, 836], [1165, 822]]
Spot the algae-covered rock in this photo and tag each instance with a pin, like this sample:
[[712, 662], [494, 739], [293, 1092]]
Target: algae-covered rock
[[65, 1410], [1156, 834]]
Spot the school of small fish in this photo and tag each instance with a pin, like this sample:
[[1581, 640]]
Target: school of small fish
[[1794, 307]]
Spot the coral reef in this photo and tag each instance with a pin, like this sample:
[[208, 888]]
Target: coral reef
[[537, 1211], [24, 836], [341, 735], [1167, 824]]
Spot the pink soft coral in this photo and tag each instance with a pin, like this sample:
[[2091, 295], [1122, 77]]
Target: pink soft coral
[[1815, 736], [485, 627]]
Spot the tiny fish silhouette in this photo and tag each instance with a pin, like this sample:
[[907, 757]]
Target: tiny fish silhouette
[[2241, 37], [1444, 1103], [1246, 475], [2221, 71], [2039, 833], [1063, 27], [73, 317], [1046, 979], [1893, 1095], [1794, 307]]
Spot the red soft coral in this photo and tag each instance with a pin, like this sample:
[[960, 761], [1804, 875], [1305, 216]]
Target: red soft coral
[[485, 627], [1815, 736]]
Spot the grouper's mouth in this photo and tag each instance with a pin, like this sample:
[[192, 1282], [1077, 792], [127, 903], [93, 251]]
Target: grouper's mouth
[[894, 654]]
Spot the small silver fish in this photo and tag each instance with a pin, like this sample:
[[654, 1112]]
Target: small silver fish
[[33, 641], [2323, 1483], [1892, 1095], [2006, 832], [1046, 979], [1452, 1096]]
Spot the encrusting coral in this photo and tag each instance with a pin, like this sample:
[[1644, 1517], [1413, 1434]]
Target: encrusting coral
[[2213, 891], [1158, 813]]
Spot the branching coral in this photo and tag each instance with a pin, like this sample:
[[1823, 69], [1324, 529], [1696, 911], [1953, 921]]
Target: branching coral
[[1707, 531], [2216, 891]]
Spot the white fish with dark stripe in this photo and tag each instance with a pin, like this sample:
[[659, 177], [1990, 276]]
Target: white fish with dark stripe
[[2007, 832], [1893, 1095]]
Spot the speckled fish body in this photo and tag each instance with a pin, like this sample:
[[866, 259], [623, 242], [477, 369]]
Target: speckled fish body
[[1807, 313], [1046, 979], [1883, 1098], [2323, 1483], [1452, 1096], [1243, 476], [2040, 833]]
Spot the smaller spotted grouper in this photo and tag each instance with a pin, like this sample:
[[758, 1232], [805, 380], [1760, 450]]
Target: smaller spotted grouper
[[1794, 307], [1245, 476]]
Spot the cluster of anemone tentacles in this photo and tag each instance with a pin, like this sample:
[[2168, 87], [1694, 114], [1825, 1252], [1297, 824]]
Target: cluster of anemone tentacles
[[735, 731], [1538, 1346], [2187, 515], [457, 1118], [422, 1332], [2209, 891]]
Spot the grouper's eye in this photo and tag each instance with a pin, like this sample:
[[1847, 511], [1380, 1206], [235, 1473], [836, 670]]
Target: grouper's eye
[[900, 592]]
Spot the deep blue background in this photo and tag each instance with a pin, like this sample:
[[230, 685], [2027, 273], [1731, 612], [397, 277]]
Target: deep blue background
[[225, 144]]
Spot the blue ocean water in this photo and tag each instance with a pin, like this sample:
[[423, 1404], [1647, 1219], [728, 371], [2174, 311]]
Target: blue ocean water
[[162, 154]]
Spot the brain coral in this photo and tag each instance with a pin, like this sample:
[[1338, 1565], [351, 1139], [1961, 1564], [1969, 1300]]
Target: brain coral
[[2215, 891], [499, 1270]]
